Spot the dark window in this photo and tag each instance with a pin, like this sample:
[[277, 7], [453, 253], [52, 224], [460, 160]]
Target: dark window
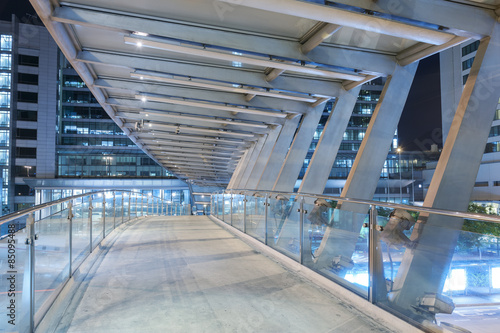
[[467, 64], [73, 81], [495, 131], [26, 115], [26, 134], [78, 97], [27, 78], [24, 190], [27, 97], [23, 152], [22, 171], [496, 183], [470, 48], [464, 78], [26, 60], [481, 184], [492, 147]]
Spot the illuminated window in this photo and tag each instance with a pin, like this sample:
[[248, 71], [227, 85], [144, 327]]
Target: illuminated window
[[6, 43], [4, 99], [4, 80], [5, 61]]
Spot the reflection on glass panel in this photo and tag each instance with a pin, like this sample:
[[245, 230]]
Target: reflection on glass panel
[[15, 247], [256, 217], [4, 80], [283, 227], [4, 99], [336, 243], [5, 61], [6, 43], [51, 255], [4, 118]]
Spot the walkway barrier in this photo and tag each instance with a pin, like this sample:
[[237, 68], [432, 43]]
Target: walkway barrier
[[42, 247], [417, 263]]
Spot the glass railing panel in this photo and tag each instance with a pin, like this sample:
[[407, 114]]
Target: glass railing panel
[[52, 255], [283, 222], [14, 302], [227, 208], [118, 208], [109, 221], [80, 232], [97, 219], [256, 217], [336, 243], [220, 204], [238, 211], [134, 206]]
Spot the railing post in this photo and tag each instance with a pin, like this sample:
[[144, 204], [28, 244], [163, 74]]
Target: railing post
[[266, 204], [161, 207], [158, 207], [90, 222], [70, 240], [114, 210], [301, 230], [372, 255], [103, 215], [136, 209], [223, 202], [245, 214], [30, 228], [142, 204], [231, 208], [129, 202], [123, 207]]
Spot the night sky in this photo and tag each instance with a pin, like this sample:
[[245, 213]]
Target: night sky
[[22, 9], [421, 119]]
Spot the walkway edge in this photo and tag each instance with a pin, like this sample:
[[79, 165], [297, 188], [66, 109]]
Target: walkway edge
[[374, 312], [56, 313]]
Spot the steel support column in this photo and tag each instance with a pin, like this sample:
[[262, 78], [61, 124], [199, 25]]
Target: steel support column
[[294, 160], [261, 162], [425, 267], [259, 145], [273, 165], [319, 168], [365, 172]]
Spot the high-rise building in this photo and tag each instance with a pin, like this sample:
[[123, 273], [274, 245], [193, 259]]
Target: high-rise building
[[401, 176], [28, 100], [55, 139]]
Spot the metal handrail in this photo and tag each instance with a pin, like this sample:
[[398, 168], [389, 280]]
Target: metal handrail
[[445, 212], [13, 216]]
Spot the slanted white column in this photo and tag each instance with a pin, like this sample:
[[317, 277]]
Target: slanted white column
[[273, 165], [252, 160], [451, 85], [365, 172], [424, 268], [294, 160], [328, 146], [240, 168], [264, 155]]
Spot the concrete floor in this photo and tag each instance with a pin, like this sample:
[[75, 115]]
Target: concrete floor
[[187, 274]]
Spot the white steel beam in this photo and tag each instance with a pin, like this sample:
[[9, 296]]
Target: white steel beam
[[199, 83], [245, 41], [435, 237], [200, 94], [159, 44], [348, 18], [239, 76], [262, 159], [138, 105], [452, 14], [216, 106], [273, 165], [294, 160], [325, 32], [321, 163]]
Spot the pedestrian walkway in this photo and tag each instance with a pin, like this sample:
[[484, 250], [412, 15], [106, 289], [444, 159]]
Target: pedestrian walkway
[[187, 274]]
